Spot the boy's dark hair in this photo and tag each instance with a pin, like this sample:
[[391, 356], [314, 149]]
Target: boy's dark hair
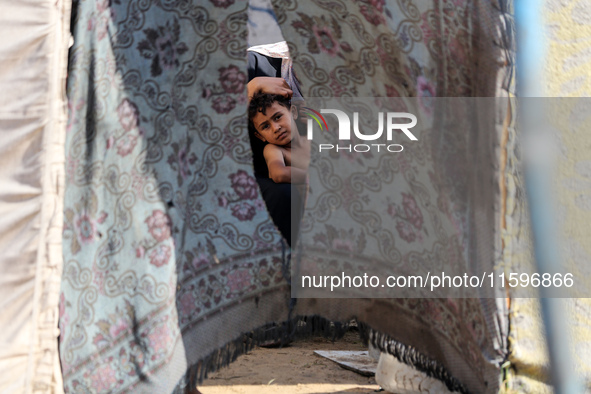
[[260, 102]]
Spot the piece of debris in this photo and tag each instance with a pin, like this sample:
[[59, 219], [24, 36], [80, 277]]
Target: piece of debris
[[356, 361]]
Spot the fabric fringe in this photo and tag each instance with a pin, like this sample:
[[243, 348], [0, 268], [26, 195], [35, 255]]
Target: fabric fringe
[[296, 328], [309, 326], [410, 356]]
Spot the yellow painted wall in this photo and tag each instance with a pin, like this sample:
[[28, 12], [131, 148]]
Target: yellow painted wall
[[567, 74]]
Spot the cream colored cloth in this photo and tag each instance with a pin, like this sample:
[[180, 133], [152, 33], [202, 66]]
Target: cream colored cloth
[[34, 38]]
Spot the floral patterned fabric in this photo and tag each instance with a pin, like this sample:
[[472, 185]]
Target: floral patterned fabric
[[169, 253]]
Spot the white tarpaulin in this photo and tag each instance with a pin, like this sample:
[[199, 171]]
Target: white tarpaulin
[[34, 38]]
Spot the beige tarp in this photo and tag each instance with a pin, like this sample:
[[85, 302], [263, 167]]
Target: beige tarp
[[34, 39]]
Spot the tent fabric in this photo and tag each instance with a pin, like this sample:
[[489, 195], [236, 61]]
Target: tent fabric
[[33, 49], [169, 254]]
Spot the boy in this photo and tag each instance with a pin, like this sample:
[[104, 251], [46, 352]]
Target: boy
[[271, 120]]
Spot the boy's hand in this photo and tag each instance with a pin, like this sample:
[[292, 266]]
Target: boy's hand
[[271, 85]]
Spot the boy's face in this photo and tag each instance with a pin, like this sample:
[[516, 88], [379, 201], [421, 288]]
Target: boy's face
[[274, 126]]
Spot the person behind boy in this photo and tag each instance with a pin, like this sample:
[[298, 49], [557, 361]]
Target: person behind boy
[[286, 153]]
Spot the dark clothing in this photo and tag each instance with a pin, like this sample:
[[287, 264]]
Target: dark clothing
[[263, 66], [283, 203]]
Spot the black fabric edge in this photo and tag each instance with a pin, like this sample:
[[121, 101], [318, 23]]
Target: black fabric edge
[[410, 356], [277, 333], [314, 326]]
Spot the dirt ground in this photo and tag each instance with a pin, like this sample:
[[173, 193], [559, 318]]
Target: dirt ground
[[291, 369]]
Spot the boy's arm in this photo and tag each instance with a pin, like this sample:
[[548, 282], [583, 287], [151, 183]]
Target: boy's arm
[[278, 171], [271, 85]]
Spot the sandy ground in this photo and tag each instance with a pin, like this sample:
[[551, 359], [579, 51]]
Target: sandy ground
[[291, 369]]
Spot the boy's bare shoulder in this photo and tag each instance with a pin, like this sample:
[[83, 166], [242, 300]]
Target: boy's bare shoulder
[[273, 149], [270, 147]]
